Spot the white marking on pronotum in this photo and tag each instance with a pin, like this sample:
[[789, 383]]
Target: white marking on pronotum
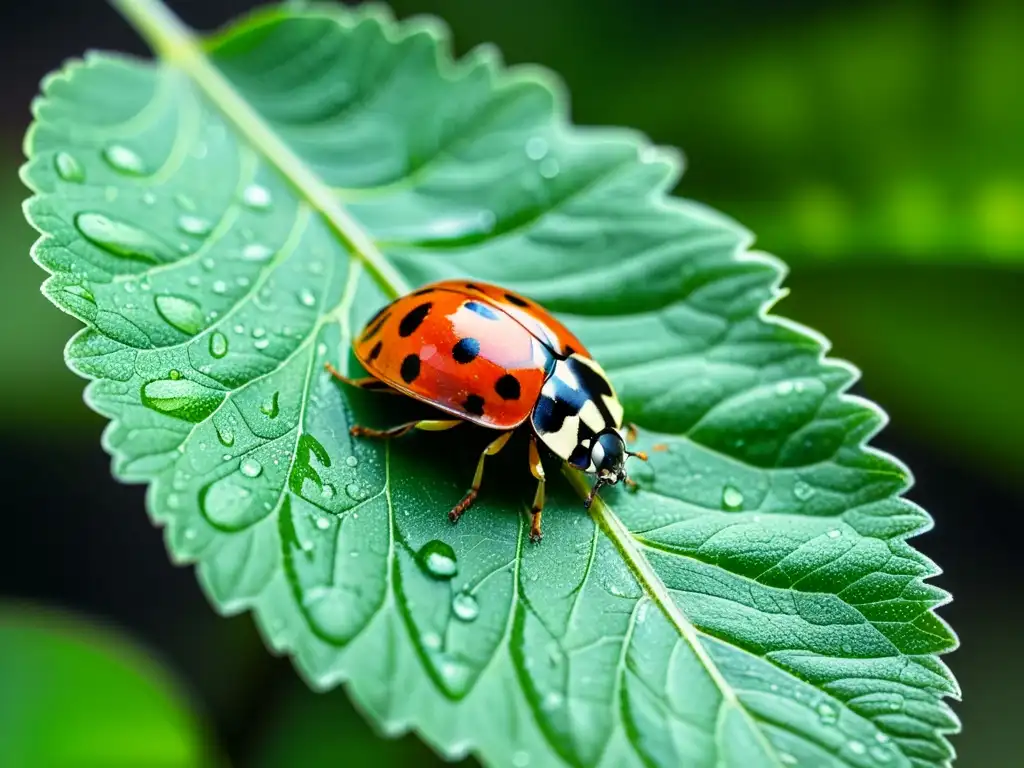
[[564, 440], [592, 417]]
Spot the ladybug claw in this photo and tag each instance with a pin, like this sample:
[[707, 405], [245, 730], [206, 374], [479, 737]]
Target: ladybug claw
[[536, 536]]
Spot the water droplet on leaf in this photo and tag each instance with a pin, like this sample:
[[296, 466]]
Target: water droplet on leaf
[[271, 408], [549, 168], [323, 523], [856, 747], [251, 468], [121, 239], [802, 490], [218, 345], [307, 298], [827, 714], [81, 292], [225, 436], [731, 498], [194, 225], [219, 287], [465, 607], [536, 147], [327, 491], [351, 461], [181, 313], [68, 168], [257, 197], [438, 559], [181, 398], [835, 533], [124, 160], [256, 252]]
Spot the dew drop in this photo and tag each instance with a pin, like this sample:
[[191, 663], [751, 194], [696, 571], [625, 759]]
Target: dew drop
[[827, 714], [835, 533], [181, 398], [536, 147], [256, 252], [549, 168], [179, 312], [225, 436], [174, 374], [194, 225], [251, 468], [351, 461], [856, 747], [521, 759], [881, 738], [207, 264], [124, 160], [323, 523], [847, 648], [218, 345], [355, 491], [465, 607], [271, 408], [149, 198], [258, 333], [787, 759], [81, 292], [731, 498], [327, 491], [784, 387], [307, 298], [438, 560], [219, 287], [256, 197], [261, 344], [68, 168], [190, 533], [431, 640], [802, 490], [121, 239]]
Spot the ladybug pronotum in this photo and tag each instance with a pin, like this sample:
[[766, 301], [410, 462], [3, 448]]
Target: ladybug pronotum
[[487, 356]]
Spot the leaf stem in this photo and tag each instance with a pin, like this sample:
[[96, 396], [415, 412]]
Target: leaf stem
[[176, 44]]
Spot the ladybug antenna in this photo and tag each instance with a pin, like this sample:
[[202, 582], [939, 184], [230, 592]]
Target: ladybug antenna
[[639, 454], [593, 492]]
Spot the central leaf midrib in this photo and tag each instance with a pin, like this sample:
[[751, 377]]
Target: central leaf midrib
[[176, 44]]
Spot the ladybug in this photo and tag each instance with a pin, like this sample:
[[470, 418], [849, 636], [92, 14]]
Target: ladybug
[[487, 356]]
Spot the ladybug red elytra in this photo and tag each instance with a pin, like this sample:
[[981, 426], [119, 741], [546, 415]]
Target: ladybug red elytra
[[491, 357]]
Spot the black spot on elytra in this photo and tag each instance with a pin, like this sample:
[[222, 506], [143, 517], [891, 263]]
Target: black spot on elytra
[[375, 352], [474, 404], [481, 309], [375, 324], [466, 350], [569, 350], [473, 287], [413, 319], [423, 291], [516, 300], [410, 368], [507, 387]]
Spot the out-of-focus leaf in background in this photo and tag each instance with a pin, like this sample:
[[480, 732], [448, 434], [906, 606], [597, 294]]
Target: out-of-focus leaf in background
[[131, 713]]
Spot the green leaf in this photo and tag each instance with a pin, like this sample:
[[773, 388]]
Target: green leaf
[[76, 694], [755, 603]]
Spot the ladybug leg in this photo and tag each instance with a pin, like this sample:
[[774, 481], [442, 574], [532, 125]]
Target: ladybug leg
[[428, 425], [368, 383], [537, 469], [470, 497]]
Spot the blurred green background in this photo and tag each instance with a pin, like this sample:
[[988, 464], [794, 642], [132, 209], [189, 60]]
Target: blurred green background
[[877, 147]]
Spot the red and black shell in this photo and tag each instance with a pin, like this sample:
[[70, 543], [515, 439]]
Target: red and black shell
[[494, 358]]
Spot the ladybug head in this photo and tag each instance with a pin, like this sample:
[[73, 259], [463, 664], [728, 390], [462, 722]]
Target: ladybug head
[[608, 456]]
